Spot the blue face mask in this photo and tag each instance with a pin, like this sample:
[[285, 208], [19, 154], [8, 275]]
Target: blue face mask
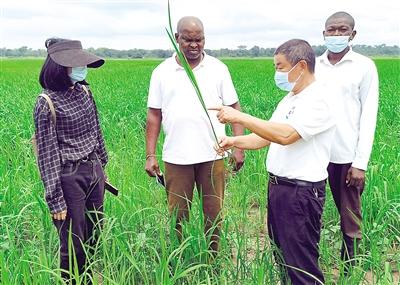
[[337, 44], [78, 74], [282, 80]]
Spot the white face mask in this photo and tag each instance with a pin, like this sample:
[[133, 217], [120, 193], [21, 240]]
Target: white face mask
[[282, 79], [337, 44], [78, 74]]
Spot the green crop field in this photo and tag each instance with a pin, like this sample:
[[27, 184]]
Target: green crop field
[[136, 247]]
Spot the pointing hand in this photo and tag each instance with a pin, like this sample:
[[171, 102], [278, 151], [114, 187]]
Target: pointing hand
[[227, 114]]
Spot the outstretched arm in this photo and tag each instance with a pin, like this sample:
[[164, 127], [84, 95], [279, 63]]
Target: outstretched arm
[[251, 141], [283, 134]]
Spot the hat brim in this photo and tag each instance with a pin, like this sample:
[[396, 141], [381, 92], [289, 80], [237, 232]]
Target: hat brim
[[76, 58]]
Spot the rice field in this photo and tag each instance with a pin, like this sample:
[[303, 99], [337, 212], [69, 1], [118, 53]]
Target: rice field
[[136, 247]]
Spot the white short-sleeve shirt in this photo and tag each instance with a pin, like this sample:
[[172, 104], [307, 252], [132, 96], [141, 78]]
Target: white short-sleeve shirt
[[188, 134], [309, 113]]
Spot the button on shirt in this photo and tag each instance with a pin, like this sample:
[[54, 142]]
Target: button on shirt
[[77, 133], [309, 113], [188, 134], [354, 82]]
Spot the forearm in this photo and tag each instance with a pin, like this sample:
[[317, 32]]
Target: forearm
[[237, 129], [251, 141], [273, 132], [153, 126]]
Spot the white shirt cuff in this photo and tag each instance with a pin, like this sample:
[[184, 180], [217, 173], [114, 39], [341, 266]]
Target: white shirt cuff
[[360, 163]]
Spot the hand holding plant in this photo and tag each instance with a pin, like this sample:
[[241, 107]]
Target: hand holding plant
[[224, 143]]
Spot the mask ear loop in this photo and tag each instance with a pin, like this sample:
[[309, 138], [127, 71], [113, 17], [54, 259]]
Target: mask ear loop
[[351, 37], [299, 75]]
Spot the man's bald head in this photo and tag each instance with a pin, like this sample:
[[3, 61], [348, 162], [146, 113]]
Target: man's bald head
[[341, 15], [189, 23], [190, 38]]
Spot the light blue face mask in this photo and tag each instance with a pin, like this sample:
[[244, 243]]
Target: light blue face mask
[[337, 44], [78, 74], [282, 80]]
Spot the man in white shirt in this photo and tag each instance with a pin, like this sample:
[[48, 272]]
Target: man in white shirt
[[353, 79], [299, 136], [188, 152]]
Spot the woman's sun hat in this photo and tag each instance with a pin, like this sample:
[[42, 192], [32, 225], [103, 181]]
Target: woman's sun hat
[[69, 53]]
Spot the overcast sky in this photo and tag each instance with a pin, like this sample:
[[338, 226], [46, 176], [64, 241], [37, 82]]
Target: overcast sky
[[228, 23]]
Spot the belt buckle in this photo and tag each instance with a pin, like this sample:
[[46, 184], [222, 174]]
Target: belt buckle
[[273, 180]]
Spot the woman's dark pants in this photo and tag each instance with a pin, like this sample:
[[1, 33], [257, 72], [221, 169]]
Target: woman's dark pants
[[83, 188]]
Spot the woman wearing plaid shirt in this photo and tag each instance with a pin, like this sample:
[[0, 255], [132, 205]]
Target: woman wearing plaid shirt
[[71, 152]]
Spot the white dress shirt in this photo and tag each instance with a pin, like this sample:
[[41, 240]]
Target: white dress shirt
[[188, 134], [355, 86]]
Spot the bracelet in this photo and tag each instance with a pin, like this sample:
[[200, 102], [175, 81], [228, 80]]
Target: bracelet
[[150, 155]]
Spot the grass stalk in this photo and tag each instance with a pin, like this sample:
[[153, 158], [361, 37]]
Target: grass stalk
[[183, 61]]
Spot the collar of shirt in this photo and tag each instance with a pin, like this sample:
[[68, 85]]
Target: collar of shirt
[[73, 90], [349, 56], [303, 93], [202, 63], [77, 86]]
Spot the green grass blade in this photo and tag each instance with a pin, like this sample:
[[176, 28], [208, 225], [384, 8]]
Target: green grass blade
[[188, 70]]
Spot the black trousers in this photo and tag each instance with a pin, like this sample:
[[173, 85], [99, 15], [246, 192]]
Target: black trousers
[[83, 188], [294, 226]]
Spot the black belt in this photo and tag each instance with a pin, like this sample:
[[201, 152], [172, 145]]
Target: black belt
[[277, 180], [90, 157]]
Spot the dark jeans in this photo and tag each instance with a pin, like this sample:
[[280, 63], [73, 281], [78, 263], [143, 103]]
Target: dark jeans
[[83, 188], [294, 226]]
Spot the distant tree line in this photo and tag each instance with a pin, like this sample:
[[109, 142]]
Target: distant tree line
[[240, 51]]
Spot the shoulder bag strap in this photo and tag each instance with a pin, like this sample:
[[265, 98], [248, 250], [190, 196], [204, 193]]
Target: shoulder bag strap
[[51, 106], [85, 89]]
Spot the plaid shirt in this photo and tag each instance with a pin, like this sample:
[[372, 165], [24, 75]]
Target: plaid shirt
[[77, 133]]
